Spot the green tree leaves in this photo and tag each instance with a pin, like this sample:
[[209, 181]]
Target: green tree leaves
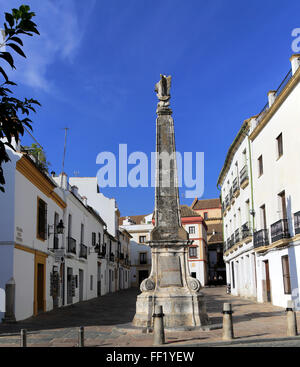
[[18, 22]]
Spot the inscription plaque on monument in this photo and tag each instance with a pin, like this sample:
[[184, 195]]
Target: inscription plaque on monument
[[170, 272]]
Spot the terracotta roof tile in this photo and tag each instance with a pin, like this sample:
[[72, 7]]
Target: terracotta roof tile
[[206, 204]]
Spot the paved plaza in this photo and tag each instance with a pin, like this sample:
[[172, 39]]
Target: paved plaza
[[107, 319]]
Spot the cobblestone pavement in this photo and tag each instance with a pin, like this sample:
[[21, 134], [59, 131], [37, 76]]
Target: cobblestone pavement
[[107, 323]]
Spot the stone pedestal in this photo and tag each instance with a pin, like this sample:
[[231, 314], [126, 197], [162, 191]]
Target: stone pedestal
[[170, 286]]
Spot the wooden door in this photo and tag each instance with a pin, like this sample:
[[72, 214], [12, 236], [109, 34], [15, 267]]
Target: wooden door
[[40, 287], [268, 283]]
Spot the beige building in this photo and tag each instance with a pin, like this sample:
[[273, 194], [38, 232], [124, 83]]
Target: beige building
[[211, 211], [140, 227]]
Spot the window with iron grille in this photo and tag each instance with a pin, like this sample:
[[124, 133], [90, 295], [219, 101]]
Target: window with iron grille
[[93, 238], [143, 258], [142, 239], [192, 251], [191, 230], [42, 220]]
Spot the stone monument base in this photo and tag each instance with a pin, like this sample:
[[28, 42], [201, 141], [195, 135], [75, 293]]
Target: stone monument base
[[182, 310]]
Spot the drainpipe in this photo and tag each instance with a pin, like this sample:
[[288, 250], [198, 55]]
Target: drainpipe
[[251, 183]]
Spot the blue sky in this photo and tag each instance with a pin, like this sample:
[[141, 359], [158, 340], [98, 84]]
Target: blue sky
[[96, 62]]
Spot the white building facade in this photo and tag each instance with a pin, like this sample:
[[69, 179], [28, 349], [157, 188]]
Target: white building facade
[[54, 246], [263, 265]]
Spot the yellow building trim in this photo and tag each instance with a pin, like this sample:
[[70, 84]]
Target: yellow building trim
[[277, 103], [244, 184], [30, 250], [39, 258], [29, 170]]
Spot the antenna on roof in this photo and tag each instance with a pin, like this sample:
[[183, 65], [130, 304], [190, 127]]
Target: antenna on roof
[[76, 173], [63, 162]]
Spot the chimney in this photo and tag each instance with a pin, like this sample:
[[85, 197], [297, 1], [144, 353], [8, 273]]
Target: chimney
[[84, 199], [63, 181], [74, 189], [271, 97], [295, 61]]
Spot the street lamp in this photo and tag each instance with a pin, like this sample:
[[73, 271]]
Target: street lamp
[[59, 228]]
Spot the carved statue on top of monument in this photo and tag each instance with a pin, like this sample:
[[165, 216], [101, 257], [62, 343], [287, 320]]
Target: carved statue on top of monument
[[162, 88]]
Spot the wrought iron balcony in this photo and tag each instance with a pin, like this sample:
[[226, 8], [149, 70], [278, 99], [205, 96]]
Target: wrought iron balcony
[[261, 238], [235, 185], [102, 252], [246, 230], [237, 237], [232, 240], [244, 174], [297, 222], [230, 194], [71, 245], [83, 251], [279, 230], [226, 201]]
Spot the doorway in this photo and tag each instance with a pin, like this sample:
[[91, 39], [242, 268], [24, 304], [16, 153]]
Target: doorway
[[268, 283], [143, 274], [80, 285], [40, 287], [99, 280], [69, 285], [39, 304]]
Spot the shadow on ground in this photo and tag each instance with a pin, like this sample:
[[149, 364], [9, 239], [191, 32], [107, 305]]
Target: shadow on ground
[[110, 309]]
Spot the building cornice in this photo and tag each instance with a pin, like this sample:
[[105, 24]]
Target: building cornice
[[28, 169]]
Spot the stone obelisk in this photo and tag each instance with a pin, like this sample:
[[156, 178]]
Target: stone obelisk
[[169, 284]]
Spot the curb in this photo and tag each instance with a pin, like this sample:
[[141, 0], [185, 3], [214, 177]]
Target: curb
[[237, 341]]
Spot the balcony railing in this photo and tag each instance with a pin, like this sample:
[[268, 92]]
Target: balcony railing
[[278, 92], [226, 201], [261, 238], [235, 185], [102, 252], [237, 236], [83, 251], [71, 245], [230, 194], [243, 174], [297, 222], [111, 257], [279, 230], [246, 230]]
